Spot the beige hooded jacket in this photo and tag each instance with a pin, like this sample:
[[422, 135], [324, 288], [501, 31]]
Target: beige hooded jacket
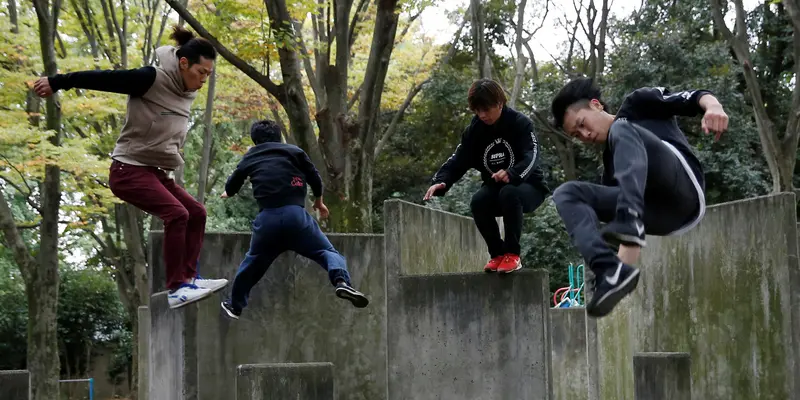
[[157, 122]]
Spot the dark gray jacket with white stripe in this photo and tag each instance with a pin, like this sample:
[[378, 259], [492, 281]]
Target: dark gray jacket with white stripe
[[509, 144]]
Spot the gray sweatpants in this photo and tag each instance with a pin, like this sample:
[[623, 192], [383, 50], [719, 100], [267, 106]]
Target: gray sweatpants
[[652, 181]]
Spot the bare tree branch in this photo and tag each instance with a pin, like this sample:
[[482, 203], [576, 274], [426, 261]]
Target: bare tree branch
[[263, 80]]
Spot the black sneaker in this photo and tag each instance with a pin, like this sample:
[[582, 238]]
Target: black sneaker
[[610, 288], [346, 292], [626, 229], [228, 307]]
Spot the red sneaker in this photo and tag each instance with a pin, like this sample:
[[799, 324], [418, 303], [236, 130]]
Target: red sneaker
[[492, 265], [510, 263]]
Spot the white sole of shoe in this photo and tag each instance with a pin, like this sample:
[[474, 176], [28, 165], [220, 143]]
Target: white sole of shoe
[[215, 289], [519, 266], [230, 314], [194, 300]]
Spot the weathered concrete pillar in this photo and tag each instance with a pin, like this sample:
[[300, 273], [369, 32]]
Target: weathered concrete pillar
[[307, 381], [15, 385], [662, 376], [144, 351]]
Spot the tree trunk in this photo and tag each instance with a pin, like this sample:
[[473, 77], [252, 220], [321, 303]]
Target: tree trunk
[[482, 61], [780, 153], [42, 285], [520, 61], [601, 43], [12, 15], [205, 161]]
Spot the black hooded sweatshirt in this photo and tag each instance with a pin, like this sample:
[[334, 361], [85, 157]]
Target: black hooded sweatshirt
[[279, 174], [509, 144]]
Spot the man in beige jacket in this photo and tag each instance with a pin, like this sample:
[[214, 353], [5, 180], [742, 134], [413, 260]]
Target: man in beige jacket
[[149, 146]]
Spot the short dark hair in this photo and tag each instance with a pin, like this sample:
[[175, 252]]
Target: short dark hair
[[577, 93], [484, 94], [192, 47], [265, 131]]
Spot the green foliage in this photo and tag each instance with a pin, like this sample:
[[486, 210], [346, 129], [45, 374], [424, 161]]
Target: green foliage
[[13, 314], [89, 315]]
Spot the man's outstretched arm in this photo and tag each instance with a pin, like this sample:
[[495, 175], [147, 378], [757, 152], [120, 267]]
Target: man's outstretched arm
[[133, 82]]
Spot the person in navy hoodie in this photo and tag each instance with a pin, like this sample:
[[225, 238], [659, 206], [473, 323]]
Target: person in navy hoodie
[[280, 174]]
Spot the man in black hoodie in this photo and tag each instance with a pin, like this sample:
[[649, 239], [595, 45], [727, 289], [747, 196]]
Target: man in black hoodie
[[500, 143], [652, 181], [279, 174]]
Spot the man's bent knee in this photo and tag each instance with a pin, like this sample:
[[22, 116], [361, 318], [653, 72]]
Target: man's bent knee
[[175, 214], [508, 193], [566, 192], [197, 212]]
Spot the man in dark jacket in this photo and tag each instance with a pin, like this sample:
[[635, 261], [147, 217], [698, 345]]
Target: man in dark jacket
[[501, 144], [279, 174], [652, 181]]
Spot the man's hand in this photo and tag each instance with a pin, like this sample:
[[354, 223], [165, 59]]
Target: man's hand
[[224, 195], [501, 175], [714, 120], [432, 190], [42, 87], [322, 208]]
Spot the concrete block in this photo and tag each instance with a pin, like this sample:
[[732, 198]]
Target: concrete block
[[574, 376], [662, 376], [15, 385], [295, 317], [143, 352], [172, 364], [306, 381], [735, 275], [470, 336]]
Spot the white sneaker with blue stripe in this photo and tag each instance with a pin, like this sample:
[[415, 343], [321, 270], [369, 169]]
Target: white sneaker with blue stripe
[[214, 285], [186, 294]]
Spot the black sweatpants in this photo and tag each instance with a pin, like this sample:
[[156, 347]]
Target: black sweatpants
[[652, 182], [510, 202]]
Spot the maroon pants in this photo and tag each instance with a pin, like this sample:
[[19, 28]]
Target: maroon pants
[[152, 191]]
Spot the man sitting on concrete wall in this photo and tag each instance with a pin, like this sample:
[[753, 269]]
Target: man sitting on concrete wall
[[501, 144], [652, 182]]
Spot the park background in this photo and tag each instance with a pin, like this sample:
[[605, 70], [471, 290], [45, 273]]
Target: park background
[[378, 118]]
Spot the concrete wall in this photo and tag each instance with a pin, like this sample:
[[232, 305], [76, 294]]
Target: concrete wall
[[293, 316], [307, 381], [143, 365], [430, 241], [727, 294], [470, 336], [15, 385], [455, 333], [172, 369], [574, 377]]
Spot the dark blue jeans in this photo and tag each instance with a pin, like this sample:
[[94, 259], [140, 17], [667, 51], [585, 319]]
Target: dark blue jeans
[[276, 230]]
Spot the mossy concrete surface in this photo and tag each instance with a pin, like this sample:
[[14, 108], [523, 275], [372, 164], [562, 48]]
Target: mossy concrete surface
[[573, 374], [293, 316], [306, 381], [15, 385], [726, 293]]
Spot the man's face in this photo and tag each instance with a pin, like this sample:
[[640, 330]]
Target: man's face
[[195, 76], [490, 115], [588, 124]]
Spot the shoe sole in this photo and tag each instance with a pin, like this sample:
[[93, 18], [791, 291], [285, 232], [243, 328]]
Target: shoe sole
[[489, 270], [229, 312], [617, 239], [606, 304], [215, 290], [194, 300], [518, 267], [359, 301]]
